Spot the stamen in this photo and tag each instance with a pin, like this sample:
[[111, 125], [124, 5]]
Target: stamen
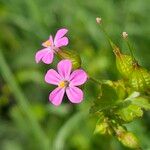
[[63, 84], [47, 43]]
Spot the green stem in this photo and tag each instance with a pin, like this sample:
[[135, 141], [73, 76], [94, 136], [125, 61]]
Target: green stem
[[95, 80], [99, 82], [23, 103]]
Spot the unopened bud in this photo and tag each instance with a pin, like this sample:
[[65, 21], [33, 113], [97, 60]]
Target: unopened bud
[[124, 35], [98, 20]]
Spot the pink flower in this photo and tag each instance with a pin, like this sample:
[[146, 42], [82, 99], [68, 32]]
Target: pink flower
[[66, 81], [51, 46]]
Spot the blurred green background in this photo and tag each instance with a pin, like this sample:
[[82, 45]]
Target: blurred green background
[[27, 120]]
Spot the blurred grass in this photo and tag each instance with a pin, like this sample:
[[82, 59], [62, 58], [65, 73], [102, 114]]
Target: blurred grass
[[24, 25]]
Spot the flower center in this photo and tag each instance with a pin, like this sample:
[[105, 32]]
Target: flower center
[[63, 84], [47, 43]]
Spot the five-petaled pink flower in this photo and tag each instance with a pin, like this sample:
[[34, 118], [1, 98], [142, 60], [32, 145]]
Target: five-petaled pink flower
[[51, 46], [66, 81]]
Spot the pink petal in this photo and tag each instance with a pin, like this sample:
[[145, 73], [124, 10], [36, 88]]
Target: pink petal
[[78, 77], [52, 77], [40, 54], [51, 40], [61, 42], [74, 94], [60, 33], [56, 96], [48, 58], [64, 68]]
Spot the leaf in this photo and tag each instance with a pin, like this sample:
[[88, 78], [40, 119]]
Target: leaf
[[108, 98], [132, 106], [129, 113], [120, 88], [142, 102]]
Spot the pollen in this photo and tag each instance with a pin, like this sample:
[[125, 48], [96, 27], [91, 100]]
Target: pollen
[[63, 84], [47, 43]]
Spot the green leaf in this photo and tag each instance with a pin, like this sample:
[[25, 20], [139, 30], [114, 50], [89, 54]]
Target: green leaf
[[142, 102], [108, 99], [120, 88], [129, 113]]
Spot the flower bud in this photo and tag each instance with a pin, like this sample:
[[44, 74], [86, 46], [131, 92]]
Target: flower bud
[[74, 57]]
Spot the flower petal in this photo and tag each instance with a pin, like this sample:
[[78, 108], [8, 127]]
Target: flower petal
[[40, 54], [61, 42], [48, 58], [78, 77], [74, 94], [51, 40], [52, 77], [60, 33], [56, 96], [64, 68]]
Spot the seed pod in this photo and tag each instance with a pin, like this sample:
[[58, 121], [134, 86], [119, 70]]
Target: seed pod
[[140, 78], [71, 55]]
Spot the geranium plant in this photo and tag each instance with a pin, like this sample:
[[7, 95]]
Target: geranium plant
[[118, 103]]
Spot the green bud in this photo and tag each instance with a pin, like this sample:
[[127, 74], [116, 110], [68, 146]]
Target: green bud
[[71, 55], [140, 79], [129, 139]]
